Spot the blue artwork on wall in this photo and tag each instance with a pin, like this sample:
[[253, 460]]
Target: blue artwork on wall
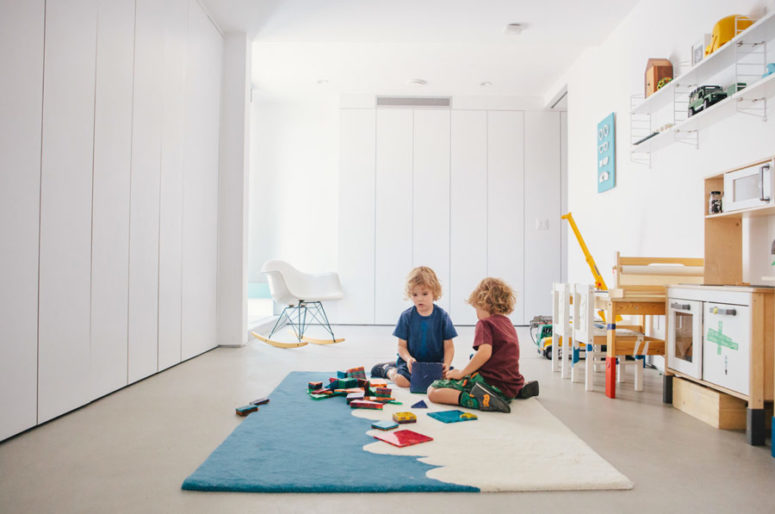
[[606, 155]]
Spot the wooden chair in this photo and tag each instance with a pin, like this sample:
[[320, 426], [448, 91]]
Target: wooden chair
[[650, 276], [561, 328]]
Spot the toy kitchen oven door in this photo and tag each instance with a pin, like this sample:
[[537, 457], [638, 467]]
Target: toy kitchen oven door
[[684, 337]]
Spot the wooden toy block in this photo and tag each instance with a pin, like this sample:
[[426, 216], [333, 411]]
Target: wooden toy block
[[403, 438], [404, 417], [384, 425], [314, 386], [363, 404], [354, 396], [246, 409], [420, 405], [260, 401]]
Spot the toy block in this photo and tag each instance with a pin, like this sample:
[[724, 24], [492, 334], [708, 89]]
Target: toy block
[[404, 417], [379, 399], [452, 416], [385, 424], [403, 438], [354, 396], [313, 386], [395, 402], [362, 382], [345, 383], [377, 383], [363, 404], [383, 391], [420, 405], [423, 375], [341, 374], [246, 409], [359, 372], [260, 401]]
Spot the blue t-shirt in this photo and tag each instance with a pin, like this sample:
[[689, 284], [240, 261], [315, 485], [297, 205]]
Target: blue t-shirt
[[425, 335]]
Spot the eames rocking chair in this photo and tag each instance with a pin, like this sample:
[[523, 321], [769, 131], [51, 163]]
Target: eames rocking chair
[[302, 294]]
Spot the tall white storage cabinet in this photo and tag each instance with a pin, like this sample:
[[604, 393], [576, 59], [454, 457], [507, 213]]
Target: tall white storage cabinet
[[108, 149], [470, 193], [356, 218], [21, 55]]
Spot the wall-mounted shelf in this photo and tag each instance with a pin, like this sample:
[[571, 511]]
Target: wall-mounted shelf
[[743, 59]]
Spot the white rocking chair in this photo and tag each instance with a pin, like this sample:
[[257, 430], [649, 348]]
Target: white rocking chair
[[302, 294]]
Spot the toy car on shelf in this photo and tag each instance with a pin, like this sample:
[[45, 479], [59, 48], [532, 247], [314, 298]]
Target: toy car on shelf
[[703, 97]]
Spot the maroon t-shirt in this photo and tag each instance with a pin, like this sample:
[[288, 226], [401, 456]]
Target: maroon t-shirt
[[502, 368]]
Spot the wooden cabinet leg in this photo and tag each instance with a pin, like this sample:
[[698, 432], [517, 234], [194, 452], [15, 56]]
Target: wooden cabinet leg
[[754, 427], [610, 377]]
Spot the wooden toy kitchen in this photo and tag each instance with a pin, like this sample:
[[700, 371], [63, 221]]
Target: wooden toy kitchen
[[720, 337]]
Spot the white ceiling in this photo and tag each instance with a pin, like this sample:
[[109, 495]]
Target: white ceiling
[[377, 46]]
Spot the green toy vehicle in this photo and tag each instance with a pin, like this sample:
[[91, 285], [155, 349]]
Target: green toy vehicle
[[703, 97]]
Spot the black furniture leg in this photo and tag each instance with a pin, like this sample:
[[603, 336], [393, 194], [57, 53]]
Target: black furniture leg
[[667, 388], [754, 427]]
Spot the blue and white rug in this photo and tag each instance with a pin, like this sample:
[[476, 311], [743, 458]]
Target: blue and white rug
[[296, 444]]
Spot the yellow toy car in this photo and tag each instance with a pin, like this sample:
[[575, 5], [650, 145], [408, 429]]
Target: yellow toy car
[[725, 29]]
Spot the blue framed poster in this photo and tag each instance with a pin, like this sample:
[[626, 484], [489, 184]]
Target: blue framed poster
[[606, 155]]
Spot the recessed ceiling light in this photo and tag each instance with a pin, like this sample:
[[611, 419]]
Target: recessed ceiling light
[[514, 29], [486, 83], [417, 82]]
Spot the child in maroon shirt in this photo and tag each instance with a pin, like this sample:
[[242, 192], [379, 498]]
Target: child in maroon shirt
[[491, 378]]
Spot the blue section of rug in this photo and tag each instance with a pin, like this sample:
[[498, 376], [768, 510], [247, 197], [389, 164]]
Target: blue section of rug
[[295, 444]]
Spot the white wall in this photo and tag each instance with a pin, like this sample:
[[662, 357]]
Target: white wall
[[294, 191], [655, 211], [113, 140]]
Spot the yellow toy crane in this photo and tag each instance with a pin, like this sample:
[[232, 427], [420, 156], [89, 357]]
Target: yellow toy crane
[[599, 282]]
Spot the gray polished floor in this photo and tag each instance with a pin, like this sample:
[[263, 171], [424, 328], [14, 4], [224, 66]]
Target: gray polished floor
[[130, 451]]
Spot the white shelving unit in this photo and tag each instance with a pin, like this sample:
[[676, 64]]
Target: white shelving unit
[[742, 59]]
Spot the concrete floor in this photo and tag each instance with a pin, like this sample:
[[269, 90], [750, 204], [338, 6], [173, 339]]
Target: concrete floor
[[130, 451]]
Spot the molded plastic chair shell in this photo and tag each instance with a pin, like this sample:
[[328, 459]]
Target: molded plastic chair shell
[[290, 286]]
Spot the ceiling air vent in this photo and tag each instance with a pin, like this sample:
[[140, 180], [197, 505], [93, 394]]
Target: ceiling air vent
[[408, 101]]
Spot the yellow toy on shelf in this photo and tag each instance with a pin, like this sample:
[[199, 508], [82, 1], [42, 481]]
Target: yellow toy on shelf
[[726, 29]]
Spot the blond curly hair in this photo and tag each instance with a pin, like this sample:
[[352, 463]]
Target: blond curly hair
[[493, 295], [423, 276]]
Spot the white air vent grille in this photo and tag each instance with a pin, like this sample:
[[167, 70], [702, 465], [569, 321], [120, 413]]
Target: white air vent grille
[[408, 101]]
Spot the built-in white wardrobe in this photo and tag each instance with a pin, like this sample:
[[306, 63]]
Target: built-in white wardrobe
[[109, 128], [470, 193]]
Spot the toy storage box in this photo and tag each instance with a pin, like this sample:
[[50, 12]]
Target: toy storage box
[[656, 70]]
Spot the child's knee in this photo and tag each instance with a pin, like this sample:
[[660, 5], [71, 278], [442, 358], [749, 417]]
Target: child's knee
[[433, 394], [398, 379]]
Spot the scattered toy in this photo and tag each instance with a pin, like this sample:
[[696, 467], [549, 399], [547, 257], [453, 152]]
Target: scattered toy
[[423, 374], [364, 404], [403, 438], [404, 417], [420, 405], [452, 416], [385, 424], [313, 386], [354, 396], [246, 409], [260, 401]]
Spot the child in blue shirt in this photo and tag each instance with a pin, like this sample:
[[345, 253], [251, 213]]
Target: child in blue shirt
[[424, 331]]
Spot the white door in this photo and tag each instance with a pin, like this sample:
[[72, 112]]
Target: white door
[[726, 348], [684, 338]]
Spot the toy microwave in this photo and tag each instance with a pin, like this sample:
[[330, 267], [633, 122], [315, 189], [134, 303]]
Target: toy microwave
[[749, 187]]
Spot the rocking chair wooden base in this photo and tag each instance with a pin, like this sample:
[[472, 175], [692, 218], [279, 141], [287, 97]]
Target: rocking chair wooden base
[[279, 344]]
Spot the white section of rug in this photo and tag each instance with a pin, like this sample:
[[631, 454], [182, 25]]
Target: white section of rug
[[528, 449]]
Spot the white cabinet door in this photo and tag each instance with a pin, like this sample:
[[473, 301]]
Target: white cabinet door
[[468, 213], [393, 258], [110, 214], [144, 210], [356, 218], [430, 195], [505, 205], [200, 184], [21, 59], [173, 82], [543, 248], [726, 347], [66, 206]]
